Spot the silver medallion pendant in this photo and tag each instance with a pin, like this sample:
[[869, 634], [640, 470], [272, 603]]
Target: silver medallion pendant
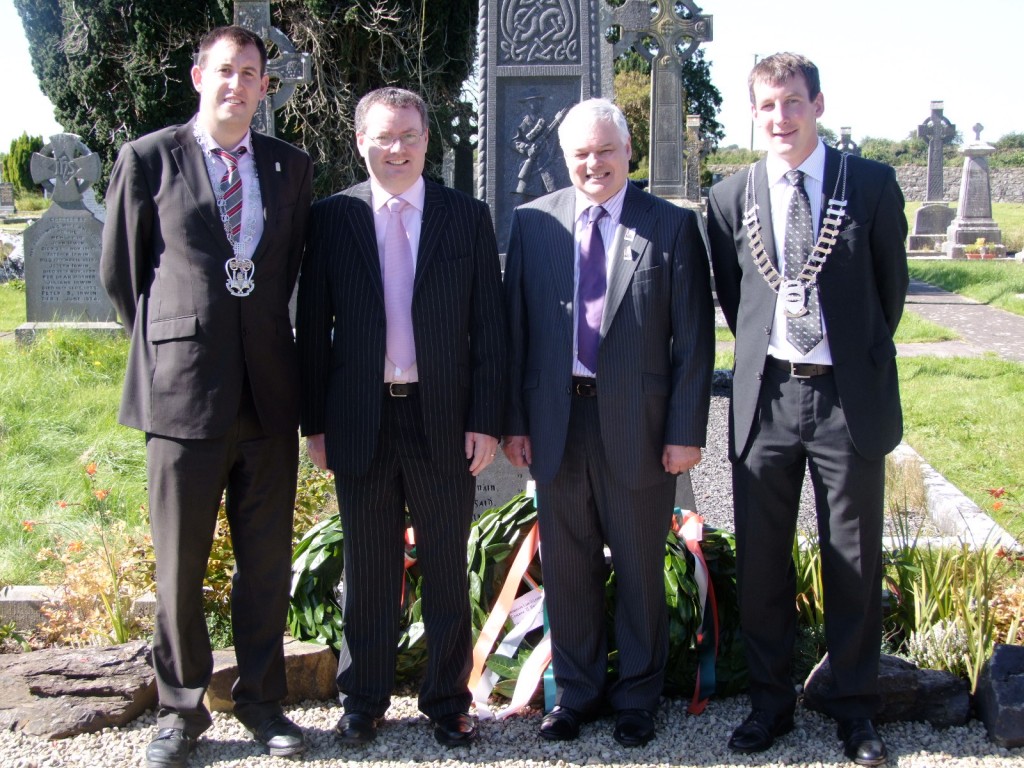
[[793, 295], [240, 276]]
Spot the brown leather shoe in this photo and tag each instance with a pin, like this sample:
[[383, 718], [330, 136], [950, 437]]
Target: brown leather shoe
[[861, 742]]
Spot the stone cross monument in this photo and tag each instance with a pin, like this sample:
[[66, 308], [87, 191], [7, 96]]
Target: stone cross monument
[[846, 142], [974, 224], [666, 33], [289, 69], [694, 151], [934, 217], [62, 249]]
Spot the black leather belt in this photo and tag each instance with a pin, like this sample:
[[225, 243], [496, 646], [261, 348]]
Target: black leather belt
[[799, 370], [584, 386], [396, 389]]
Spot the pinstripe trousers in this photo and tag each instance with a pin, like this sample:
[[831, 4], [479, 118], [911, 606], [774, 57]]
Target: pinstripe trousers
[[580, 511], [373, 515]]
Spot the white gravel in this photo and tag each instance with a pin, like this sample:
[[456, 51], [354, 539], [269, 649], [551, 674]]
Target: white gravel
[[405, 739]]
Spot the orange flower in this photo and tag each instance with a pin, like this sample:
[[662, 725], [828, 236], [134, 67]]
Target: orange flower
[[62, 504], [101, 493], [995, 493], [28, 525], [90, 468], [997, 505], [75, 546]]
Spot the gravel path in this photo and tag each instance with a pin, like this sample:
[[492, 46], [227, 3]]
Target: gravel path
[[405, 740]]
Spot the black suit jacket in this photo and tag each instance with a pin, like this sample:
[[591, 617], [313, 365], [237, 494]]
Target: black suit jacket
[[861, 292], [458, 326], [164, 249], [657, 341]]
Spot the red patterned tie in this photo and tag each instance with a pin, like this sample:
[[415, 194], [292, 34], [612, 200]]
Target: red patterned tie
[[231, 192]]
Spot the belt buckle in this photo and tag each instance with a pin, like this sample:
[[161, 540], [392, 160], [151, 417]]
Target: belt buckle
[[584, 389], [794, 367], [394, 389]]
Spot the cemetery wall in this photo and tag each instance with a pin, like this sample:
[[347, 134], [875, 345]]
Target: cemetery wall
[[1007, 183]]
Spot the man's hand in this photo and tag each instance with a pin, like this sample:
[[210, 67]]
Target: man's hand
[[679, 458], [480, 450], [315, 449], [517, 449]]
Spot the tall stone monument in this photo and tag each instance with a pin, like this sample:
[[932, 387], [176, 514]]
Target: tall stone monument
[[287, 70], [934, 217], [846, 142], [537, 58], [62, 249], [694, 151], [666, 33], [974, 224]]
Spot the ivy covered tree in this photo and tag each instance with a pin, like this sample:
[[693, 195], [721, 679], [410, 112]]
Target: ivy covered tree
[[116, 69], [17, 162]]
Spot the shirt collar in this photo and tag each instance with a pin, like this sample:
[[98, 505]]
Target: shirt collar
[[414, 195], [612, 206], [813, 166], [207, 143]]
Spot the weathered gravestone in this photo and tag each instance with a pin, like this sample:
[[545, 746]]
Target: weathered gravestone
[[62, 249], [6, 195], [537, 58], [974, 224], [934, 217], [694, 151], [666, 33], [288, 69], [846, 142]]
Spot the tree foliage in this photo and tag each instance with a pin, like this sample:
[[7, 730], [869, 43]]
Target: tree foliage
[[116, 70], [17, 162]]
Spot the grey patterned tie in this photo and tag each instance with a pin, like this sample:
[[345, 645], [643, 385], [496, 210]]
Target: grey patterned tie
[[802, 332]]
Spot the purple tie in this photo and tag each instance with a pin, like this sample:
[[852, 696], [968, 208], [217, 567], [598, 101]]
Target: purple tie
[[398, 272], [592, 286], [231, 192]]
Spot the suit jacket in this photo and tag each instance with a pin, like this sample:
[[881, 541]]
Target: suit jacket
[[861, 291], [162, 264], [458, 327], [657, 342]]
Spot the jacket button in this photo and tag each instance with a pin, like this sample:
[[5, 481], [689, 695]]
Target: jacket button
[[759, 376]]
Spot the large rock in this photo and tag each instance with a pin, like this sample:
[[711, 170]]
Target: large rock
[[907, 692], [1000, 696], [311, 670], [61, 692]]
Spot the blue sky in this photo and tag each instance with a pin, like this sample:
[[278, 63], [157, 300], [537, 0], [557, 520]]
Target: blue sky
[[882, 62]]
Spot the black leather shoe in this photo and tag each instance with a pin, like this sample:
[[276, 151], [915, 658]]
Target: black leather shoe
[[280, 736], [759, 731], [170, 749], [455, 730], [562, 724], [861, 742], [633, 727], [356, 729]]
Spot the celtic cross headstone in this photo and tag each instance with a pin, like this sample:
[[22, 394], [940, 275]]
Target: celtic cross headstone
[[289, 69], [932, 219], [846, 142], [666, 33]]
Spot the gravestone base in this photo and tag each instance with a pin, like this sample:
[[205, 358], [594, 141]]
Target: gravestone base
[[930, 224], [26, 332], [962, 233], [926, 244]]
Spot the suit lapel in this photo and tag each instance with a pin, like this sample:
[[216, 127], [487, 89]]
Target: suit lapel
[[625, 252], [828, 185], [189, 157], [764, 215], [432, 225], [267, 172], [563, 250], [360, 213]]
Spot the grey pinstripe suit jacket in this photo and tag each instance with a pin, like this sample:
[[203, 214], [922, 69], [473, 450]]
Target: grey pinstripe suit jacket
[[458, 325], [657, 342]]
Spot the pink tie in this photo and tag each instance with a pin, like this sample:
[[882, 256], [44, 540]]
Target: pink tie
[[397, 272]]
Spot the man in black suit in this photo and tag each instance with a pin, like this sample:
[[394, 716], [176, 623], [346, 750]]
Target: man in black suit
[[401, 342], [607, 290], [201, 250], [815, 387]]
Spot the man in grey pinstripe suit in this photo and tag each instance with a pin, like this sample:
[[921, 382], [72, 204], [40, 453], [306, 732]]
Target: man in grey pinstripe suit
[[609, 396], [402, 351]]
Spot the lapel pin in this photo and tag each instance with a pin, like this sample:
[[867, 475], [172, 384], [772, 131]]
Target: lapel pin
[[277, 167]]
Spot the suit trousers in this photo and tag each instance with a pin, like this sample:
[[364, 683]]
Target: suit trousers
[[800, 424], [187, 479], [580, 511], [373, 514]]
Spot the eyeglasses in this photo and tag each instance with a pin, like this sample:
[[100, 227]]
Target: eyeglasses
[[384, 141]]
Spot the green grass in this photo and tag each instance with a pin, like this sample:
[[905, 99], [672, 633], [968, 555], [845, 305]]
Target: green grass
[[58, 407], [12, 305], [915, 329], [963, 416], [997, 283], [1009, 217]]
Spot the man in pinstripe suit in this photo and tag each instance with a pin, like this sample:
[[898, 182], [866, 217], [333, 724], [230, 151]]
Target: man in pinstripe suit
[[402, 350], [609, 395]]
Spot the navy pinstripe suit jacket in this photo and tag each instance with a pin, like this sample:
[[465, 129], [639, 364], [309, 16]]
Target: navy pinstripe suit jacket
[[458, 326], [657, 337]]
